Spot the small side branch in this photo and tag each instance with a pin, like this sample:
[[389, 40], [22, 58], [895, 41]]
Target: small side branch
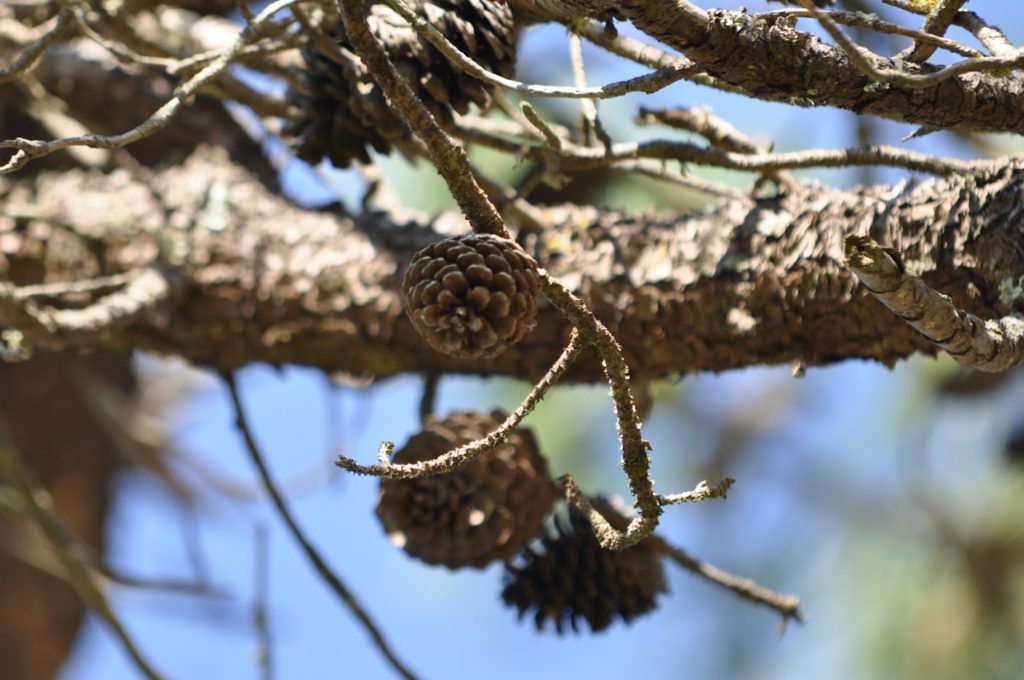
[[983, 345], [70, 554], [462, 455], [33, 50], [786, 605], [29, 149], [329, 577], [862, 59], [702, 492]]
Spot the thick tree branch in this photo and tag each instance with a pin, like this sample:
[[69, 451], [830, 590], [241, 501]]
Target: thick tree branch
[[747, 283], [763, 55]]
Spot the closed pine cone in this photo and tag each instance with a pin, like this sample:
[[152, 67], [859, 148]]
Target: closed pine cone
[[341, 110], [472, 296], [483, 511]]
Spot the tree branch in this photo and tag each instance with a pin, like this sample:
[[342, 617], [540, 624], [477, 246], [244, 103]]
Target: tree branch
[[748, 283]]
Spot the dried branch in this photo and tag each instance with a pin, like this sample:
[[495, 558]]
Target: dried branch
[[862, 59], [448, 157], [27, 149], [573, 157], [651, 82], [702, 492], [635, 462], [33, 50], [938, 21], [875, 23], [786, 605], [463, 454], [66, 549], [983, 345], [330, 578], [260, 617], [991, 37]]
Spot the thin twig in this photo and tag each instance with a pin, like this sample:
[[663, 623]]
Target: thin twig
[[28, 149], [860, 58], [429, 396], [635, 462], [448, 158], [67, 550], [573, 157], [938, 21], [702, 492], [875, 23], [786, 605], [329, 577], [463, 454], [650, 82], [33, 50], [260, 617]]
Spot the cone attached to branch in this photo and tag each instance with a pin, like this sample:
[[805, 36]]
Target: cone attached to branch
[[341, 110], [569, 577], [483, 511], [472, 296]]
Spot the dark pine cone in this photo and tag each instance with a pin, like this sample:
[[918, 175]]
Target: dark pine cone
[[342, 111], [472, 296], [483, 511], [571, 577]]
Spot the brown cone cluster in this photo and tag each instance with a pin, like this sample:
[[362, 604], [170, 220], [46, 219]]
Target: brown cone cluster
[[570, 577], [472, 296], [341, 110], [485, 510]]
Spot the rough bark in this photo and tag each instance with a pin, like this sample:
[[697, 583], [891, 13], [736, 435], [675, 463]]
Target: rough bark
[[747, 283], [767, 58]]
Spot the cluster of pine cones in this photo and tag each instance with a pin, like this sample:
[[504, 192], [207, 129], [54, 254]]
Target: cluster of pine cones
[[470, 297], [493, 509]]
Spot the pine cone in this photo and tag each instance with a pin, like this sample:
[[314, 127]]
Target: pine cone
[[342, 111], [484, 511], [571, 577], [472, 296]]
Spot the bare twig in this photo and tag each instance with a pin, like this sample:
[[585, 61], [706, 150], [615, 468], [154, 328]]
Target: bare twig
[[329, 577], [938, 21], [862, 59], [573, 157], [448, 157], [702, 492], [260, 617], [651, 82], [635, 462], [875, 23], [67, 550], [28, 149], [456, 457], [786, 605], [983, 345], [429, 396], [33, 50]]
